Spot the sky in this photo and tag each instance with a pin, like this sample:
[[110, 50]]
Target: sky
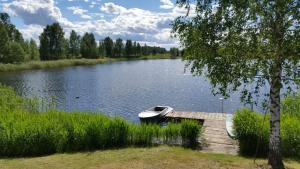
[[145, 21]]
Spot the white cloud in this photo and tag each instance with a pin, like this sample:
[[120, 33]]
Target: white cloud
[[112, 20], [112, 8], [41, 12], [166, 4], [79, 11], [32, 31], [93, 4]]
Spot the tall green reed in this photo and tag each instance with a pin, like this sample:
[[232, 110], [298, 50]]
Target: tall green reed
[[25, 130]]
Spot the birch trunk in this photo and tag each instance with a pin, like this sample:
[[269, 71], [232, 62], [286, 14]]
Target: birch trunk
[[275, 157]]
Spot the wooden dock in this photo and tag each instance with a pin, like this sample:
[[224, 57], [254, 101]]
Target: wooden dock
[[215, 138]]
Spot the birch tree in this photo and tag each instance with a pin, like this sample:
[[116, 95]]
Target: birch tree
[[239, 42]]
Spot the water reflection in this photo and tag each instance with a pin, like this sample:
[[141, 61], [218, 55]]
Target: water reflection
[[123, 89]]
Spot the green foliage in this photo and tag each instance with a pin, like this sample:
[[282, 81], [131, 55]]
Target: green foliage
[[101, 49], [52, 64], [138, 50], [291, 105], [108, 46], [185, 133], [13, 33], [26, 132], [52, 43], [190, 131], [11, 41], [74, 45], [249, 128], [171, 133], [118, 48], [290, 132], [4, 18], [239, 43], [174, 52], [88, 46], [13, 53], [9, 100], [3, 41], [54, 46], [33, 50], [240, 39], [144, 135], [128, 48]]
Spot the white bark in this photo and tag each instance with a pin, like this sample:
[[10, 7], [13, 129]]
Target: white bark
[[275, 157]]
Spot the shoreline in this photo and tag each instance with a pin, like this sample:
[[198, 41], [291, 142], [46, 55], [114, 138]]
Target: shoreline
[[35, 65]]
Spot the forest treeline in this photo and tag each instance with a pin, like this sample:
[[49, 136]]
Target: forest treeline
[[53, 45]]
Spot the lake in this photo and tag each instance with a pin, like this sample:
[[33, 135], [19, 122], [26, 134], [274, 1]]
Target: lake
[[121, 88]]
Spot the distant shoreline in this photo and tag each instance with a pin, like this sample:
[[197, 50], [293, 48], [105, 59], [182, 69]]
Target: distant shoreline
[[33, 65]]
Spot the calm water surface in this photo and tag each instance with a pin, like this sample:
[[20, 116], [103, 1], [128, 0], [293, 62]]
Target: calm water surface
[[122, 88]]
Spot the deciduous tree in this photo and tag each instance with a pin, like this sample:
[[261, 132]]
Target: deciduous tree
[[240, 42], [118, 48], [74, 44], [52, 43], [128, 48], [88, 46], [108, 45]]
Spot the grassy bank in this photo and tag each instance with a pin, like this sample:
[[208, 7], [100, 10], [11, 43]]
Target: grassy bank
[[136, 158], [52, 64], [157, 56], [25, 131], [71, 62]]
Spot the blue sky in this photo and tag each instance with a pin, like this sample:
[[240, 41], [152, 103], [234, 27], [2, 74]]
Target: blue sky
[[146, 21]]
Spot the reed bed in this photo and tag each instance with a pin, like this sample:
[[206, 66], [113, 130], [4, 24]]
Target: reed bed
[[31, 65], [252, 131], [51, 64], [25, 130]]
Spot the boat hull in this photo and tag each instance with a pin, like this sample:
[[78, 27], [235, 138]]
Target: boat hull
[[153, 116]]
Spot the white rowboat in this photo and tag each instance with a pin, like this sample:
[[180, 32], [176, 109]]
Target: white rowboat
[[155, 112]]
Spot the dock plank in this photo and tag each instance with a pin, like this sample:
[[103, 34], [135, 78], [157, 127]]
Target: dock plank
[[215, 138]]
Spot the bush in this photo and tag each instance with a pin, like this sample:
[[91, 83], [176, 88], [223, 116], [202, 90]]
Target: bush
[[290, 136], [13, 53], [249, 128], [291, 105]]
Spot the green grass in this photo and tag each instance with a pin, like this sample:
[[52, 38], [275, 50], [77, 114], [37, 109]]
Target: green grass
[[249, 127], [136, 158], [157, 56], [52, 64], [71, 62], [31, 134], [26, 131]]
